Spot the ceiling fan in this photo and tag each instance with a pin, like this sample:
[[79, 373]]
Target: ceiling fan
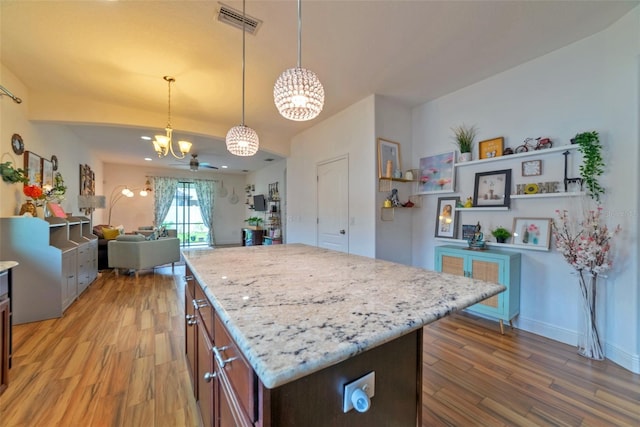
[[195, 164]]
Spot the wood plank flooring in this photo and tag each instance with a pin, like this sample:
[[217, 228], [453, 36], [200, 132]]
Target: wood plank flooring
[[116, 358]]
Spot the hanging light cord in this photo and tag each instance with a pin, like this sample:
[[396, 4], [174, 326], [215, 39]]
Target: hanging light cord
[[243, 54], [169, 80], [299, 33]]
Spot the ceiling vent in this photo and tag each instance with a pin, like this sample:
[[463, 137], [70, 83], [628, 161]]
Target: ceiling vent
[[233, 17]]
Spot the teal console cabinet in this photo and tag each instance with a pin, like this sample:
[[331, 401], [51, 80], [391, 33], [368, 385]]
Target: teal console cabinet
[[491, 266]]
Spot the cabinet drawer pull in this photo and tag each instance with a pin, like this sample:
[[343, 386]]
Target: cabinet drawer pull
[[199, 303], [190, 316], [208, 376], [217, 352], [188, 278]]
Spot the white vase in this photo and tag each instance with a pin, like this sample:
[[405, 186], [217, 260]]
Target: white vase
[[464, 157]]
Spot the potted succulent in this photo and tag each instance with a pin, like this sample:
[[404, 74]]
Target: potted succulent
[[254, 220], [463, 137], [501, 234]]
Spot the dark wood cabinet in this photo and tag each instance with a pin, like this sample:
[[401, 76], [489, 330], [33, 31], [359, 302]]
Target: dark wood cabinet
[[252, 236], [5, 328]]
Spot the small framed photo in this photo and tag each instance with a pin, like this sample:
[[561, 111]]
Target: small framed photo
[[437, 174], [388, 158], [532, 232], [492, 189], [490, 148], [47, 173], [532, 168], [447, 217], [468, 231], [56, 210], [33, 166]]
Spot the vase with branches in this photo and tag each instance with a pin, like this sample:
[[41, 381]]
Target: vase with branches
[[586, 246]]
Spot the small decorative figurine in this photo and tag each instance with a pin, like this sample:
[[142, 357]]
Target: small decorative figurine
[[395, 201], [468, 203], [477, 241]]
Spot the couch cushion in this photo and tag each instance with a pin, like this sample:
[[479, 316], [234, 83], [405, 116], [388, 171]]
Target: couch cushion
[[130, 238], [110, 233]]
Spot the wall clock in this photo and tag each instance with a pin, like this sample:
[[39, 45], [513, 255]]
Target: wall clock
[[16, 144], [54, 162], [532, 168]]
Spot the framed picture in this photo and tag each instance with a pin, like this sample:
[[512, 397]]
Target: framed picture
[[47, 173], [388, 158], [492, 189], [468, 231], [532, 232], [33, 166], [437, 173], [447, 217], [56, 210], [532, 168], [490, 148]]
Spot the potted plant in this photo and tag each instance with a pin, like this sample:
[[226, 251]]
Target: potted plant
[[592, 164], [463, 137], [254, 220], [501, 234]]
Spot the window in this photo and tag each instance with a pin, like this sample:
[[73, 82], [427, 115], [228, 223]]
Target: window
[[184, 215]]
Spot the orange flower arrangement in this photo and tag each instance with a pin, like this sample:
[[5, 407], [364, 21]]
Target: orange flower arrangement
[[32, 191]]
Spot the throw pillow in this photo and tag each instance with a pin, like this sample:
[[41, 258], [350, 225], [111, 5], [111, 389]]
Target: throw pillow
[[130, 238], [163, 232], [110, 233], [153, 236]]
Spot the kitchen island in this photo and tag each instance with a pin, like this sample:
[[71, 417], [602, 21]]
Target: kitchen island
[[275, 332]]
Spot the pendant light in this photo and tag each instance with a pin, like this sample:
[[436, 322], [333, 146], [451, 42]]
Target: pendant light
[[298, 93], [242, 140], [163, 144]]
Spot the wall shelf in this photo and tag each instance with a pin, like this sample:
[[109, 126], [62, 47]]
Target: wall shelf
[[547, 195], [519, 155], [486, 208], [495, 245]]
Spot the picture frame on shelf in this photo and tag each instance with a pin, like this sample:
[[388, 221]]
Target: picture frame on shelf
[[468, 231], [437, 173], [388, 151], [492, 189], [56, 210], [532, 168], [532, 232], [33, 166], [491, 148], [47, 173], [447, 217]]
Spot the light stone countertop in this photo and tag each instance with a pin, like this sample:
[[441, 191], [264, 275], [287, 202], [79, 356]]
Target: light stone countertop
[[5, 265], [296, 309]]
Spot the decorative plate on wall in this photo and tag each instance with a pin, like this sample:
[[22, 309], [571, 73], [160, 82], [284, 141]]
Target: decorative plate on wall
[[16, 144]]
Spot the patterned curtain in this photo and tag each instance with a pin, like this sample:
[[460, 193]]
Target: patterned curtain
[[206, 193], [164, 191]]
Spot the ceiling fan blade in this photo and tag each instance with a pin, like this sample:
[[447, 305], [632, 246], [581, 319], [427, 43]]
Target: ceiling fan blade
[[204, 165]]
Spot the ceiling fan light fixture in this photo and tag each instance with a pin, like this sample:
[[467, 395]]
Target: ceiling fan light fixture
[[162, 144], [242, 141]]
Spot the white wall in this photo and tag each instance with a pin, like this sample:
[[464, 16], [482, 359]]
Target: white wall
[[590, 85], [350, 132], [138, 211], [394, 238], [42, 139]]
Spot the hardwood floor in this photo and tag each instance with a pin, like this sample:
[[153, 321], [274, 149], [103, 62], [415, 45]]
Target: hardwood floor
[[116, 358]]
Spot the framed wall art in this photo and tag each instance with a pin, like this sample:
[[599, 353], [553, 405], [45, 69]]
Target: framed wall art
[[532, 168], [388, 158], [490, 148], [47, 173], [532, 232], [437, 174], [492, 189], [468, 231], [447, 217], [33, 167]]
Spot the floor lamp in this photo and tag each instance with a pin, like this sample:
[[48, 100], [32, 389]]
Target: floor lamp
[[92, 203]]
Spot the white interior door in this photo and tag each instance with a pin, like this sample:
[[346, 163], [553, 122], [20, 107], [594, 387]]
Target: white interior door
[[333, 205]]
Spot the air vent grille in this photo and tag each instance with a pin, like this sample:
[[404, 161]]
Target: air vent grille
[[233, 17]]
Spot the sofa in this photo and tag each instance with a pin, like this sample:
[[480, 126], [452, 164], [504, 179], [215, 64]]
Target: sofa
[[134, 251]]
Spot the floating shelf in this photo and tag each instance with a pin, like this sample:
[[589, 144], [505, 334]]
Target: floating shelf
[[547, 195], [486, 208], [494, 245], [519, 155]]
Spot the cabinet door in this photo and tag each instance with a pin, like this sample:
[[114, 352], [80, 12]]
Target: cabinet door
[[4, 344], [452, 264], [69, 278], [204, 379], [489, 271], [191, 336], [229, 410]]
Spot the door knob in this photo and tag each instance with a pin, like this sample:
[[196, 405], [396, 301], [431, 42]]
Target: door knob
[[342, 232]]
